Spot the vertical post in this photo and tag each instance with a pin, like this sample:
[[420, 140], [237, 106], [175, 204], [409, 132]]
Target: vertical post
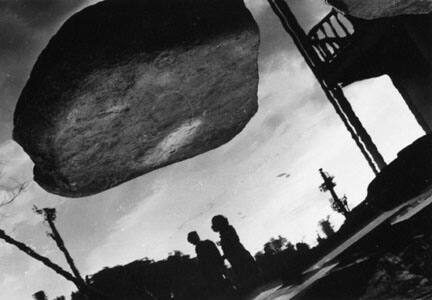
[[361, 131], [60, 244], [340, 205], [334, 93], [30, 252]]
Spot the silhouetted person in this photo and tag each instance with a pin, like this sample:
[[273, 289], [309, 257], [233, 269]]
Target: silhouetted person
[[211, 262], [242, 262]]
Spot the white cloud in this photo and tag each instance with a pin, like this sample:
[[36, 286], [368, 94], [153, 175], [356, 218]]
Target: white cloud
[[385, 114]]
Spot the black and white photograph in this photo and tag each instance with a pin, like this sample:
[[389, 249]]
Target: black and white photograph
[[215, 149]]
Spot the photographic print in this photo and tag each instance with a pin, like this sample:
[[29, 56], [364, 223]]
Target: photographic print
[[215, 149]]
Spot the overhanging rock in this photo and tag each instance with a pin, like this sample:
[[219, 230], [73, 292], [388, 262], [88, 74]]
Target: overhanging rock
[[129, 86], [374, 9]]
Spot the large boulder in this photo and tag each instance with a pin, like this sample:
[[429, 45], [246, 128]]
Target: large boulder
[[129, 86], [373, 9]]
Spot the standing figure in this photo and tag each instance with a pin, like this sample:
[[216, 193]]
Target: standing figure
[[242, 262], [211, 263]]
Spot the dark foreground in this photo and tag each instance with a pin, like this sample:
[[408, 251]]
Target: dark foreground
[[389, 258]]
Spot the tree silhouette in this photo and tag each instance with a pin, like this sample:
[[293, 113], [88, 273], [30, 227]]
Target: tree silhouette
[[275, 245], [176, 277], [327, 227], [320, 240], [302, 247]]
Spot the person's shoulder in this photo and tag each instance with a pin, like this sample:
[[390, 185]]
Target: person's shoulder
[[231, 230], [209, 243]]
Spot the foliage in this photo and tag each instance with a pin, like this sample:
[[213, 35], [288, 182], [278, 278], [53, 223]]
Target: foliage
[[281, 259], [327, 227], [176, 277], [179, 277], [274, 246]]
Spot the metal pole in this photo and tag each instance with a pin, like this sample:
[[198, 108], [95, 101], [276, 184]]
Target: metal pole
[[334, 93]]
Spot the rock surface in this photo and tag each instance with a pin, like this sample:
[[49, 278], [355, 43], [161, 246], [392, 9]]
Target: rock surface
[[406, 275], [129, 86], [373, 9]]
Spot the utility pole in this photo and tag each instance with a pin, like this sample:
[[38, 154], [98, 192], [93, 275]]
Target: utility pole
[[339, 205], [33, 254], [49, 215]]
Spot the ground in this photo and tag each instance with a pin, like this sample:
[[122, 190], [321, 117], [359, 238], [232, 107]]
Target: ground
[[382, 273]]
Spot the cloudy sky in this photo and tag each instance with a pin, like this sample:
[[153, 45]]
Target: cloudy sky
[[295, 131]]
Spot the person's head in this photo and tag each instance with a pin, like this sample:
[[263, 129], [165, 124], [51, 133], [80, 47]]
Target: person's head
[[193, 237], [219, 222]]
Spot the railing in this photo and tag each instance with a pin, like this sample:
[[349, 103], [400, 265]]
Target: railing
[[331, 36]]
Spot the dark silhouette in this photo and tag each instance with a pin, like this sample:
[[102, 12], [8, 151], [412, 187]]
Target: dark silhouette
[[275, 245], [280, 259], [339, 205], [327, 227], [176, 277], [302, 247], [40, 296], [33, 254], [210, 261], [316, 52], [50, 216], [242, 262], [338, 4]]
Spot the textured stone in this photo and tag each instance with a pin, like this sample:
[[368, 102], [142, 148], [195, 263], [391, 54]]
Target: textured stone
[[129, 86], [373, 9], [405, 275]]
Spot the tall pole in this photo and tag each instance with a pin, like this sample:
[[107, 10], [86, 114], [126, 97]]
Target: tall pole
[[47, 262], [340, 205], [361, 131], [49, 215], [60, 244], [334, 93]]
